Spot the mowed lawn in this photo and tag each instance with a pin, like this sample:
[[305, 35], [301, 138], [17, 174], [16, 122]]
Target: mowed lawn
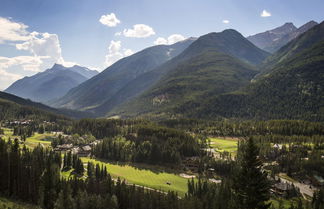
[[37, 138], [145, 177], [224, 144], [32, 141], [8, 133]]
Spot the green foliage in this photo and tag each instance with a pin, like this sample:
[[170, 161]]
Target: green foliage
[[251, 186], [150, 144], [291, 90]]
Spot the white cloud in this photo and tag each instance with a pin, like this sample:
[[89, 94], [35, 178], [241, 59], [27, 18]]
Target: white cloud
[[12, 31], [170, 40], [226, 21], [109, 20], [128, 52], [27, 63], [139, 31], [7, 78], [115, 53], [161, 41], [175, 38], [24, 63], [265, 13], [44, 48], [45, 45], [118, 33]]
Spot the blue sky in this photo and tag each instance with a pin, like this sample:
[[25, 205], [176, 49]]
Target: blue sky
[[69, 31]]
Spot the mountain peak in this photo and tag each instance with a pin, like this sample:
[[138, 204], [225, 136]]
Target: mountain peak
[[274, 39], [307, 26], [57, 66], [284, 29]]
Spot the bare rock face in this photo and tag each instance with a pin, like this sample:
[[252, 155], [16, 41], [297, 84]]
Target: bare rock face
[[272, 40]]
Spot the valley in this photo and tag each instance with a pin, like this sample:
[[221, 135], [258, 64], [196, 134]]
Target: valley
[[214, 110]]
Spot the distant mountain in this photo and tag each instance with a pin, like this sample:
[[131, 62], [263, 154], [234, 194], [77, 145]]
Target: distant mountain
[[50, 84], [106, 85], [273, 40], [292, 88], [215, 63], [303, 42]]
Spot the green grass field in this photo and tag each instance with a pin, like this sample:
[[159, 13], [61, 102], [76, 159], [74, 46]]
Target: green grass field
[[224, 144], [37, 138], [8, 133], [32, 141], [145, 177], [12, 204]]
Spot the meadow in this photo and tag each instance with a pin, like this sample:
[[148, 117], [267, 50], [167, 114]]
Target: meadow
[[224, 144], [31, 142], [37, 138], [152, 178]]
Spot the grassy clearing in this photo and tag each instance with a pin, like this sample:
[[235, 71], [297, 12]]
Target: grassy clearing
[[8, 133], [32, 141], [37, 138], [145, 177], [224, 144], [7, 203]]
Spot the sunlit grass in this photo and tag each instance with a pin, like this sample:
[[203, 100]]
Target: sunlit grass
[[226, 144], [145, 177], [37, 138]]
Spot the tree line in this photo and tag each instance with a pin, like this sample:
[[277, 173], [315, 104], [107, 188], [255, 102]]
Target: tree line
[[149, 144]]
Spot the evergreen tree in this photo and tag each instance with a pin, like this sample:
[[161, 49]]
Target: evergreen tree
[[251, 186], [64, 200]]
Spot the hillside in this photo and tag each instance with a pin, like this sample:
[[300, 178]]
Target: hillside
[[105, 85], [303, 42], [208, 74], [50, 84], [228, 42], [292, 89], [272, 40], [13, 107]]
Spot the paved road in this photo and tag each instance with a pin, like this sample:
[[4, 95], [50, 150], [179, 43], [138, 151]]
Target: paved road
[[304, 188]]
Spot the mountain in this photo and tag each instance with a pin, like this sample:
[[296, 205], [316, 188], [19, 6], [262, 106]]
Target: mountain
[[292, 88], [273, 40], [50, 84], [12, 106], [107, 84], [304, 41], [215, 63]]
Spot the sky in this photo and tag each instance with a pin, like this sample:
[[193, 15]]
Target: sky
[[35, 34]]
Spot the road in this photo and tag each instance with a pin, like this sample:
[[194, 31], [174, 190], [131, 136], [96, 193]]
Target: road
[[304, 188]]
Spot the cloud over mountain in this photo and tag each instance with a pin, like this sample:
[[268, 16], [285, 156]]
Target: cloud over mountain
[[139, 31]]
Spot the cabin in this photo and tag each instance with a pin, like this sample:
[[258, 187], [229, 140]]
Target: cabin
[[84, 151], [63, 147]]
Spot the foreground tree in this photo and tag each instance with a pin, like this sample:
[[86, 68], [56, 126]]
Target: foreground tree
[[251, 186]]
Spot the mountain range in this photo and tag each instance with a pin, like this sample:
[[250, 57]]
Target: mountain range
[[288, 84], [273, 40], [218, 75], [106, 85], [51, 84]]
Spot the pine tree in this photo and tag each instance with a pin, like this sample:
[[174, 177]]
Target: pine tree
[[251, 186], [64, 200]]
